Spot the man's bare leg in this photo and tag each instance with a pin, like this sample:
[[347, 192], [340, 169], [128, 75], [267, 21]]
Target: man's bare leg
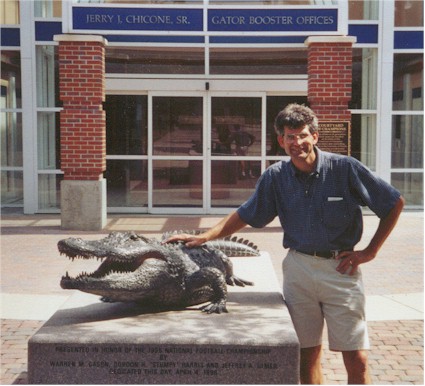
[[310, 366], [356, 363]]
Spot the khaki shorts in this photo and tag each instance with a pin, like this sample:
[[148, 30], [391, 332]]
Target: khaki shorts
[[314, 291]]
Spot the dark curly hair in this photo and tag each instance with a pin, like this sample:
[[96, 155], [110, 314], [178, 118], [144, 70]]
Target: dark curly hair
[[295, 116]]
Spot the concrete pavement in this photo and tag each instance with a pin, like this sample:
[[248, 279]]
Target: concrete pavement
[[31, 269]]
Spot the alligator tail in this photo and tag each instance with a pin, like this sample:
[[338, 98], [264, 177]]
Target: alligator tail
[[235, 247]]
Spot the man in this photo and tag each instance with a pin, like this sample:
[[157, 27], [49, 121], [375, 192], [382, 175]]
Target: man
[[243, 140], [318, 198]]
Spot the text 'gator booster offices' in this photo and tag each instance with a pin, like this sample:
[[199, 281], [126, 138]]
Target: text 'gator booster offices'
[[167, 107]]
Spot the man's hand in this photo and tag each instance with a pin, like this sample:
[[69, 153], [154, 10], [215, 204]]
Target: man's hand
[[350, 260], [189, 240], [227, 226]]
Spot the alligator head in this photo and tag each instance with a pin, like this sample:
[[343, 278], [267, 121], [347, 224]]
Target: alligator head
[[133, 269]]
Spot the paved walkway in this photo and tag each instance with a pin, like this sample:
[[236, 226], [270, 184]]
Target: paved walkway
[[31, 268]]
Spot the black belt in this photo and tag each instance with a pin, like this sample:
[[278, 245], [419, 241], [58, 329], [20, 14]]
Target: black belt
[[324, 254]]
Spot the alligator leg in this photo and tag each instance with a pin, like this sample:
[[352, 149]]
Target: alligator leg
[[208, 284], [231, 279]]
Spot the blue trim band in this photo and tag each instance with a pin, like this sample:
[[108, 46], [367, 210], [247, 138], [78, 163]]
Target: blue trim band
[[45, 30], [10, 37], [408, 40], [367, 33]]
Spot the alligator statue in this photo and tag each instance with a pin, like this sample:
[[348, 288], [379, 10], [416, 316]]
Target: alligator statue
[[156, 274]]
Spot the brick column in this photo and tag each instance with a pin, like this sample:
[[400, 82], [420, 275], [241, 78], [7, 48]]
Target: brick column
[[82, 131], [329, 76]]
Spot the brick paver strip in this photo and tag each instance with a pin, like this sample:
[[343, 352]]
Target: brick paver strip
[[396, 356]]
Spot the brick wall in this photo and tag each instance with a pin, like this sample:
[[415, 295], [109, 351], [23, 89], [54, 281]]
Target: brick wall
[[330, 76], [82, 120]]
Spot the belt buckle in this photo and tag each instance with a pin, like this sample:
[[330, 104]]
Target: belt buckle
[[335, 253]]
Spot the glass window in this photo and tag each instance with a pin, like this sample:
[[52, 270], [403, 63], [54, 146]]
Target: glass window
[[48, 8], [9, 12], [48, 140], [127, 183], [47, 77], [155, 60], [126, 124], [407, 141], [11, 130], [12, 191], [49, 191], [228, 187], [273, 2], [177, 126], [236, 126], [408, 82], [363, 139], [177, 183], [11, 90], [364, 83], [411, 187], [11, 139], [409, 13], [258, 61], [363, 9]]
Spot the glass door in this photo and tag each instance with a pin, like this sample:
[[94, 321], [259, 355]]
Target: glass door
[[178, 153], [236, 148], [127, 153], [188, 152], [206, 151]]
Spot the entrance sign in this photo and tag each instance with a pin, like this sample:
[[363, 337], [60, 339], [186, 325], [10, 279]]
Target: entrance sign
[[137, 19], [121, 20], [269, 20], [335, 136]]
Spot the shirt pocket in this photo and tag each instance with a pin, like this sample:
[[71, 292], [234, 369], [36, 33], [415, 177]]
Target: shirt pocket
[[335, 212]]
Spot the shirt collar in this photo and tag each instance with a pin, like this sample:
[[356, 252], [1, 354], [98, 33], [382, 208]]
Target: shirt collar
[[319, 155]]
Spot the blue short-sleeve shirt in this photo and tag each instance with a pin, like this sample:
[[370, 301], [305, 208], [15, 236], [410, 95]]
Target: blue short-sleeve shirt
[[320, 211]]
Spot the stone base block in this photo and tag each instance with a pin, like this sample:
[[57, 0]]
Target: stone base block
[[88, 342], [83, 205]]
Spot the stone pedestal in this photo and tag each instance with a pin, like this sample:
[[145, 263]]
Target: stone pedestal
[[88, 342], [83, 205]]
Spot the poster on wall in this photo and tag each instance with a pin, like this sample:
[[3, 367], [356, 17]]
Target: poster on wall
[[335, 136]]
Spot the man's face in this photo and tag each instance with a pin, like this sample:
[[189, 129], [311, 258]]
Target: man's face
[[298, 143]]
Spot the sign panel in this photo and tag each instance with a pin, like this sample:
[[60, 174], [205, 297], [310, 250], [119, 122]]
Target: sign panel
[[273, 20], [191, 20], [137, 19], [335, 136]]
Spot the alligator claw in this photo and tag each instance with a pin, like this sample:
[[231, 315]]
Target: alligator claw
[[105, 299], [217, 308], [240, 282], [233, 280]]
